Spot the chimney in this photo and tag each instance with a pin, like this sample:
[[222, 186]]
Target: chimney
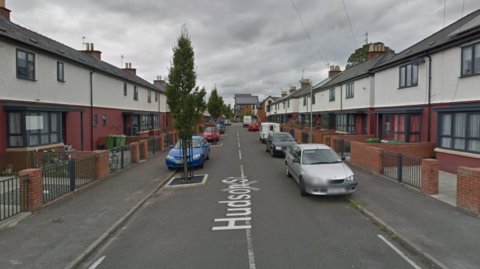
[[159, 80], [91, 51], [304, 82], [128, 68], [292, 89], [284, 93], [4, 12], [374, 50], [334, 69]]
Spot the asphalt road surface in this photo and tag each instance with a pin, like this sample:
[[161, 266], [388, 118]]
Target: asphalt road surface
[[248, 215]]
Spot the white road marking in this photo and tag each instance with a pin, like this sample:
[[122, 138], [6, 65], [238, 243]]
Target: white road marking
[[399, 252], [96, 263], [240, 154], [251, 256], [238, 143]]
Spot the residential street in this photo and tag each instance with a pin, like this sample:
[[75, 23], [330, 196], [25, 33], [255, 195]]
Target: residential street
[[174, 229]]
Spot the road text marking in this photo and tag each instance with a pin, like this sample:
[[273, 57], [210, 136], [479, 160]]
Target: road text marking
[[399, 252]]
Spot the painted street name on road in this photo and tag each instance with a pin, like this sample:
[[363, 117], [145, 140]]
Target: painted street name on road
[[238, 203]]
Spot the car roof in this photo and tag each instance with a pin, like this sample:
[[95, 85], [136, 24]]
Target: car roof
[[275, 133], [314, 146]]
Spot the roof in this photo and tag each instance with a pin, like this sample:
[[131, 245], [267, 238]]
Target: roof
[[246, 100], [314, 146], [14, 33], [448, 36]]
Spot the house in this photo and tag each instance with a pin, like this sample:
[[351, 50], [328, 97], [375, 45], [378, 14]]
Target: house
[[430, 92], [244, 103], [53, 95], [263, 108]]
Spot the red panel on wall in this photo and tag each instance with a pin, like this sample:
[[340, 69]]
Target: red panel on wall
[[449, 163]]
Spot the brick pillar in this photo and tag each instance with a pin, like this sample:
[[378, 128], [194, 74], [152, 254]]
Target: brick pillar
[[103, 163], [162, 142], [35, 188], [135, 152], [143, 146], [468, 188], [429, 176]]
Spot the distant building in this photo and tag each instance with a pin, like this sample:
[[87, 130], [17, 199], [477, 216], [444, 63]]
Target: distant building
[[244, 103]]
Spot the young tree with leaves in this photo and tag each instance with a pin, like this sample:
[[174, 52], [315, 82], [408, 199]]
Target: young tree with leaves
[[360, 55], [227, 111], [184, 99], [215, 105]]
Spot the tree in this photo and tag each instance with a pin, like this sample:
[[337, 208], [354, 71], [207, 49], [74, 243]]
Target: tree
[[184, 99], [360, 55], [248, 113], [227, 111], [215, 105]]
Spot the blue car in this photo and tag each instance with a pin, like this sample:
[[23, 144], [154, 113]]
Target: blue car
[[201, 152]]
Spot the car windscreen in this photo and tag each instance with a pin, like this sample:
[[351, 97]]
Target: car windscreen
[[211, 130], [219, 126], [283, 138], [197, 143], [319, 156]]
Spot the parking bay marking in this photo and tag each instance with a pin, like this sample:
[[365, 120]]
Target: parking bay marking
[[399, 252]]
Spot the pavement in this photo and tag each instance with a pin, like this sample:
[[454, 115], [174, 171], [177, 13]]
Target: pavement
[[63, 234], [446, 236]]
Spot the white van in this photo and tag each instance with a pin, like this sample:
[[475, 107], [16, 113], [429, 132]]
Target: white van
[[266, 128], [247, 120]]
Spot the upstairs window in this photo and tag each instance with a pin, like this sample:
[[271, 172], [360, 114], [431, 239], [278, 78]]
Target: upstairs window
[[288, 103], [408, 75], [304, 101], [313, 99], [156, 96], [95, 120], [104, 120], [135, 93], [149, 96], [349, 90], [60, 72], [471, 60], [25, 65], [283, 104], [125, 89], [332, 95]]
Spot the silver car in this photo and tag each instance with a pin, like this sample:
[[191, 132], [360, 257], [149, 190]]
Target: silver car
[[319, 170]]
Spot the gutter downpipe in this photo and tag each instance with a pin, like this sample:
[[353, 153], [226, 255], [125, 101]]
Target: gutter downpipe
[[91, 107], [429, 94], [311, 112]]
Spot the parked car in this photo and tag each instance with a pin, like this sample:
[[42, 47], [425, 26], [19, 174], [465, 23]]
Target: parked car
[[247, 120], [200, 150], [319, 170], [266, 128], [253, 126], [228, 122], [279, 143], [211, 134], [221, 128]]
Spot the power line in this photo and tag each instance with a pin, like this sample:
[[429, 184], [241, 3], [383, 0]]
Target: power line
[[23, 22], [354, 39], [307, 32]]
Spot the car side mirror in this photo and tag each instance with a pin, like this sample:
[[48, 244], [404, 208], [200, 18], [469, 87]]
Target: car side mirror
[[171, 146], [296, 160], [295, 140], [343, 158], [205, 145]]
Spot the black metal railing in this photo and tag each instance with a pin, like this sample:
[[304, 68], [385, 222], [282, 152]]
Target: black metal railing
[[12, 162], [281, 128], [151, 146], [165, 141], [169, 139], [157, 146], [83, 170], [342, 147], [305, 137], [292, 132], [14, 197], [142, 154], [57, 180], [403, 168], [115, 158]]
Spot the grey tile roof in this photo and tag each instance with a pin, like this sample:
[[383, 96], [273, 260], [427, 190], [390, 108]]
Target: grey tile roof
[[457, 31], [246, 100], [11, 32]]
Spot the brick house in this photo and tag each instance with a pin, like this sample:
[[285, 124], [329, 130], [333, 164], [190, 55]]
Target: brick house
[[53, 95], [244, 103], [263, 108]]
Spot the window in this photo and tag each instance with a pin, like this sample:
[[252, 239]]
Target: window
[[283, 104], [288, 103], [29, 128], [460, 131], [401, 127], [304, 100], [313, 99], [471, 60], [125, 89], [156, 96], [25, 65], [408, 75], [149, 96], [135, 93], [60, 72], [349, 90], [95, 120], [247, 106], [268, 107], [346, 123], [332, 95], [104, 120]]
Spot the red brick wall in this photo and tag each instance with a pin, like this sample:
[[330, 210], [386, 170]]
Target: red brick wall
[[329, 139], [135, 152], [368, 158], [468, 188], [422, 150], [143, 146], [103, 163], [35, 189], [450, 163], [429, 180]]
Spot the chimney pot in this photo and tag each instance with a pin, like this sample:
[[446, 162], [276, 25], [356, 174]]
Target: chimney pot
[[91, 46], [334, 71], [4, 12], [374, 50], [126, 65], [293, 88], [2, 3], [88, 46], [332, 67]]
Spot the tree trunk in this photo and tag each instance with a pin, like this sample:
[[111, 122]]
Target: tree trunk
[[185, 160]]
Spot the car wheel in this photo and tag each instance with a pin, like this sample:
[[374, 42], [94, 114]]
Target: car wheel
[[266, 148], [302, 188], [287, 171], [201, 165], [272, 152], [208, 156]]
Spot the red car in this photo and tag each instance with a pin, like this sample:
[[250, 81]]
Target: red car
[[212, 134], [253, 126]]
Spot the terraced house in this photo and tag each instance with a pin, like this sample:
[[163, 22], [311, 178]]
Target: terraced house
[[245, 103], [51, 94]]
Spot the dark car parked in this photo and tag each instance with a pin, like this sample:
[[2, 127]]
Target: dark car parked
[[220, 124], [279, 142]]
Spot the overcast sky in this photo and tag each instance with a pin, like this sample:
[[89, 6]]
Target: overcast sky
[[244, 46]]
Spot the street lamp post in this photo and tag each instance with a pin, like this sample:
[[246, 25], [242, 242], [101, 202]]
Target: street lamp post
[[311, 111]]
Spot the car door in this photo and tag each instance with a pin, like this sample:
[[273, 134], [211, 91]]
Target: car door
[[296, 166]]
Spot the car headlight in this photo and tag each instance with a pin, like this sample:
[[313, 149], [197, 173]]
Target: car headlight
[[350, 178], [278, 148], [170, 157], [196, 156]]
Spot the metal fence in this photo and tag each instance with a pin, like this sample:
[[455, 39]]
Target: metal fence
[[157, 147], [121, 157], [292, 132], [151, 146], [13, 162], [84, 170], [165, 141], [13, 196], [281, 128], [342, 147], [305, 137], [403, 168]]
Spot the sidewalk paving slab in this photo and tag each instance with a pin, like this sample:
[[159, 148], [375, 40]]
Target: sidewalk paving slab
[[449, 234], [55, 235]]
